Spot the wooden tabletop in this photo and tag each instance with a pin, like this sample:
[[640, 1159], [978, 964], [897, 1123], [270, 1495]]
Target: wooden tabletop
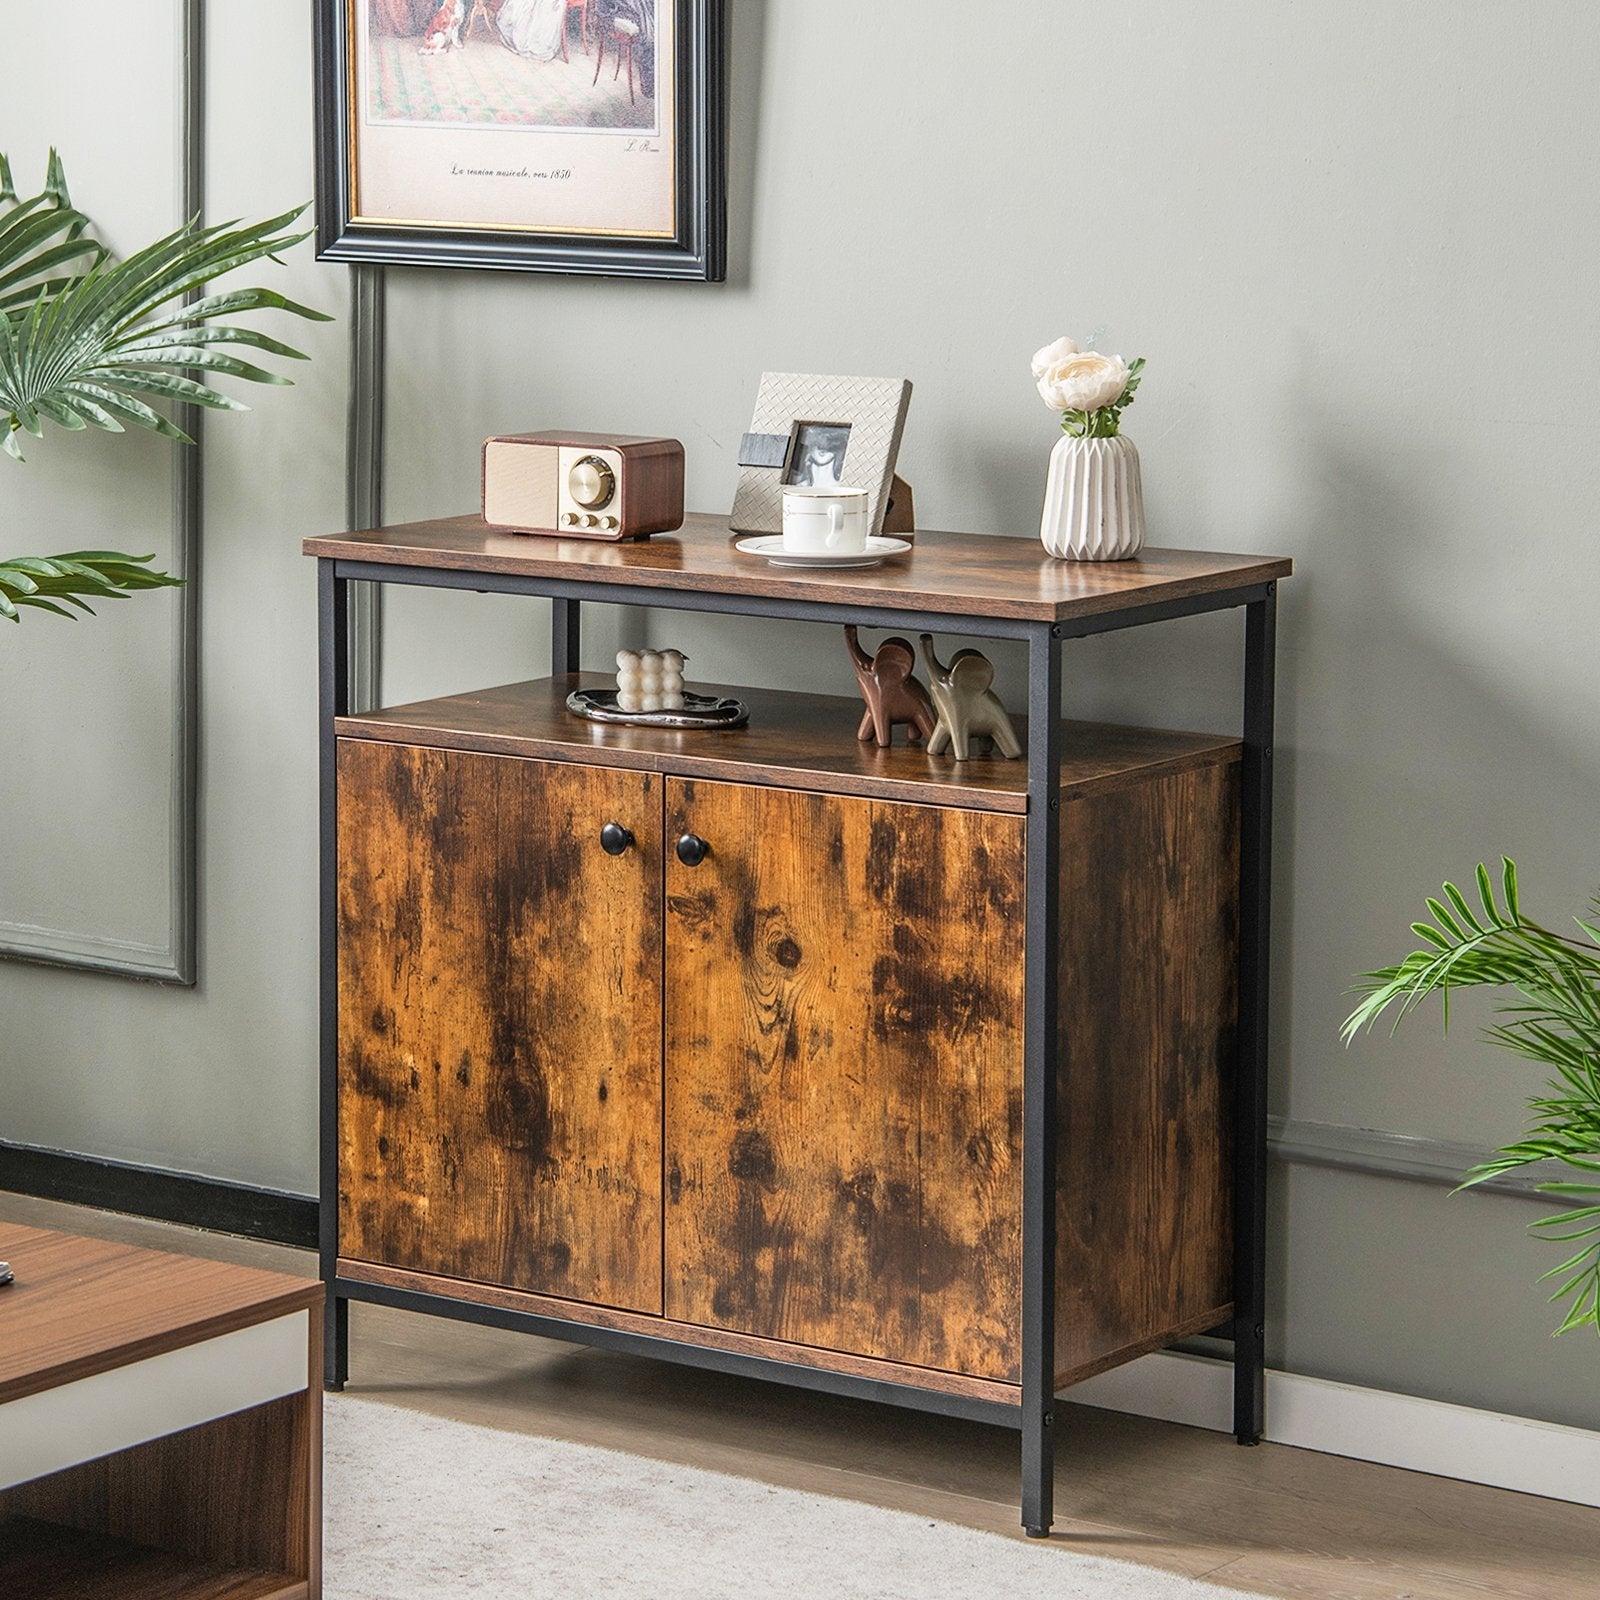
[[81, 1306], [958, 574]]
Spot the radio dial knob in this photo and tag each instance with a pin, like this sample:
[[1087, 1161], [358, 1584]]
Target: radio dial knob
[[591, 482], [608, 522], [590, 520], [569, 519]]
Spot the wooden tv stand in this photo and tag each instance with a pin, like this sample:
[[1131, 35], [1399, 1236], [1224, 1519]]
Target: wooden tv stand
[[160, 1426], [937, 1082]]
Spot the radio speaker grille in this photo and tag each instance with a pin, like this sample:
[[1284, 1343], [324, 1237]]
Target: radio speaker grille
[[520, 484]]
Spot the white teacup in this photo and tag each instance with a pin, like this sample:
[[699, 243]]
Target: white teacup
[[824, 521]]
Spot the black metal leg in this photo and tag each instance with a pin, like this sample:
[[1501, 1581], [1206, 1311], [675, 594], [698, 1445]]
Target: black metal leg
[[1040, 1046], [1250, 1125], [566, 635], [333, 685], [335, 1342]]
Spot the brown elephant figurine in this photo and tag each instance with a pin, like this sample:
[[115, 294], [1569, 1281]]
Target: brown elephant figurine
[[967, 705], [891, 692]]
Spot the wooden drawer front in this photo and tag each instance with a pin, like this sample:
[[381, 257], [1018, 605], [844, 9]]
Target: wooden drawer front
[[500, 1021], [844, 1074]]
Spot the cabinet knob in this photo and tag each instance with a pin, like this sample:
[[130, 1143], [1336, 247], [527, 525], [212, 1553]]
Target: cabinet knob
[[692, 850], [614, 839]]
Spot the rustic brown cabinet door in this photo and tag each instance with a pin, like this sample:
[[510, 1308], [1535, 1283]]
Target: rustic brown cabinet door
[[844, 1074], [500, 1021]]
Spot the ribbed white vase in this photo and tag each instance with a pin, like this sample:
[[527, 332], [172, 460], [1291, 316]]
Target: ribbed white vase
[[1093, 500]]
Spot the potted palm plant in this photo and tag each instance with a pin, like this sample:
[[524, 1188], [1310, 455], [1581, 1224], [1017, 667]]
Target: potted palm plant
[[1551, 1015], [87, 341]]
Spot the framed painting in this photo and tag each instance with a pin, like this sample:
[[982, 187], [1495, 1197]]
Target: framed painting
[[536, 135]]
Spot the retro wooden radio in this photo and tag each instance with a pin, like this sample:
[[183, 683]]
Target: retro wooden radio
[[583, 485]]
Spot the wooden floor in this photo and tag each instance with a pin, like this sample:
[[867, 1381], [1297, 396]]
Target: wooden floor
[[1272, 1520]]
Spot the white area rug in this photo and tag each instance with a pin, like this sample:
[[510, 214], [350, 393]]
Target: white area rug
[[418, 1508]]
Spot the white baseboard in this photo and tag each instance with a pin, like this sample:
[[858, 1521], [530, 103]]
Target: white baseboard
[[1396, 1430]]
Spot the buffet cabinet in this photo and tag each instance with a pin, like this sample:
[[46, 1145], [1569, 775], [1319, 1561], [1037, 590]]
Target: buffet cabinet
[[765, 1049]]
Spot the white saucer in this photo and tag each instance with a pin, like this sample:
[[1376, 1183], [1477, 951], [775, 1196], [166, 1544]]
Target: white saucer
[[770, 545]]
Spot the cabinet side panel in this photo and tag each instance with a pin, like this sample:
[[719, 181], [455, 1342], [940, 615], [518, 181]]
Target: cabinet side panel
[[1149, 936], [500, 1021], [844, 1075]]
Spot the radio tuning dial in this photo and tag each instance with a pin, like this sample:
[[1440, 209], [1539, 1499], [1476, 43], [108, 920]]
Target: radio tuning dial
[[591, 482]]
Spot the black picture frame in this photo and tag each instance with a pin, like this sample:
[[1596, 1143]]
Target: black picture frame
[[695, 250]]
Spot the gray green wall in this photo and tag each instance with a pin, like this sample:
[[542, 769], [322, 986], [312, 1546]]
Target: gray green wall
[[1356, 244]]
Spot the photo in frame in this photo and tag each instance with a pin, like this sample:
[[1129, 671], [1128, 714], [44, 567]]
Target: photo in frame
[[818, 432], [583, 136]]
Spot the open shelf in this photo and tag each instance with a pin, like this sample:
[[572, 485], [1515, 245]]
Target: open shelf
[[45, 1561], [796, 741]]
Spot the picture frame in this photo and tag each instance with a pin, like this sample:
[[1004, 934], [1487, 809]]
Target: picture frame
[[471, 133], [816, 430]]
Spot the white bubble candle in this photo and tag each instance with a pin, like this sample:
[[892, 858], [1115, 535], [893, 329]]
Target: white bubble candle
[[650, 680]]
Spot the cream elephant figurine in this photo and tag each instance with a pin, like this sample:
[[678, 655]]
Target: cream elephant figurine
[[966, 704]]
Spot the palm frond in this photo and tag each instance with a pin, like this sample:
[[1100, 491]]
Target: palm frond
[[53, 583], [83, 337], [39, 235], [1580, 1272], [1556, 1023]]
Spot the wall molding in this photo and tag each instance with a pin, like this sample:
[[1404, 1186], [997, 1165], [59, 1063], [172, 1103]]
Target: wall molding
[[363, 498], [1341, 1419], [284, 1218], [176, 960], [1402, 1156]]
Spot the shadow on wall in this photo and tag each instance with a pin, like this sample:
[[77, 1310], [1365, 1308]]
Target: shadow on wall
[[1413, 738], [1421, 740], [747, 51], [1419, 731]]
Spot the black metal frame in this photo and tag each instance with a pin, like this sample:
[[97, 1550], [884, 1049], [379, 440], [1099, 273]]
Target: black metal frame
[[697, 249], [1040, 1035], [661, 1348], [1035, 1415], [1250, 1089]]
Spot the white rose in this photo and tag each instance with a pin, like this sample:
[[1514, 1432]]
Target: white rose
[[1086, 382], [1051, 355]]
